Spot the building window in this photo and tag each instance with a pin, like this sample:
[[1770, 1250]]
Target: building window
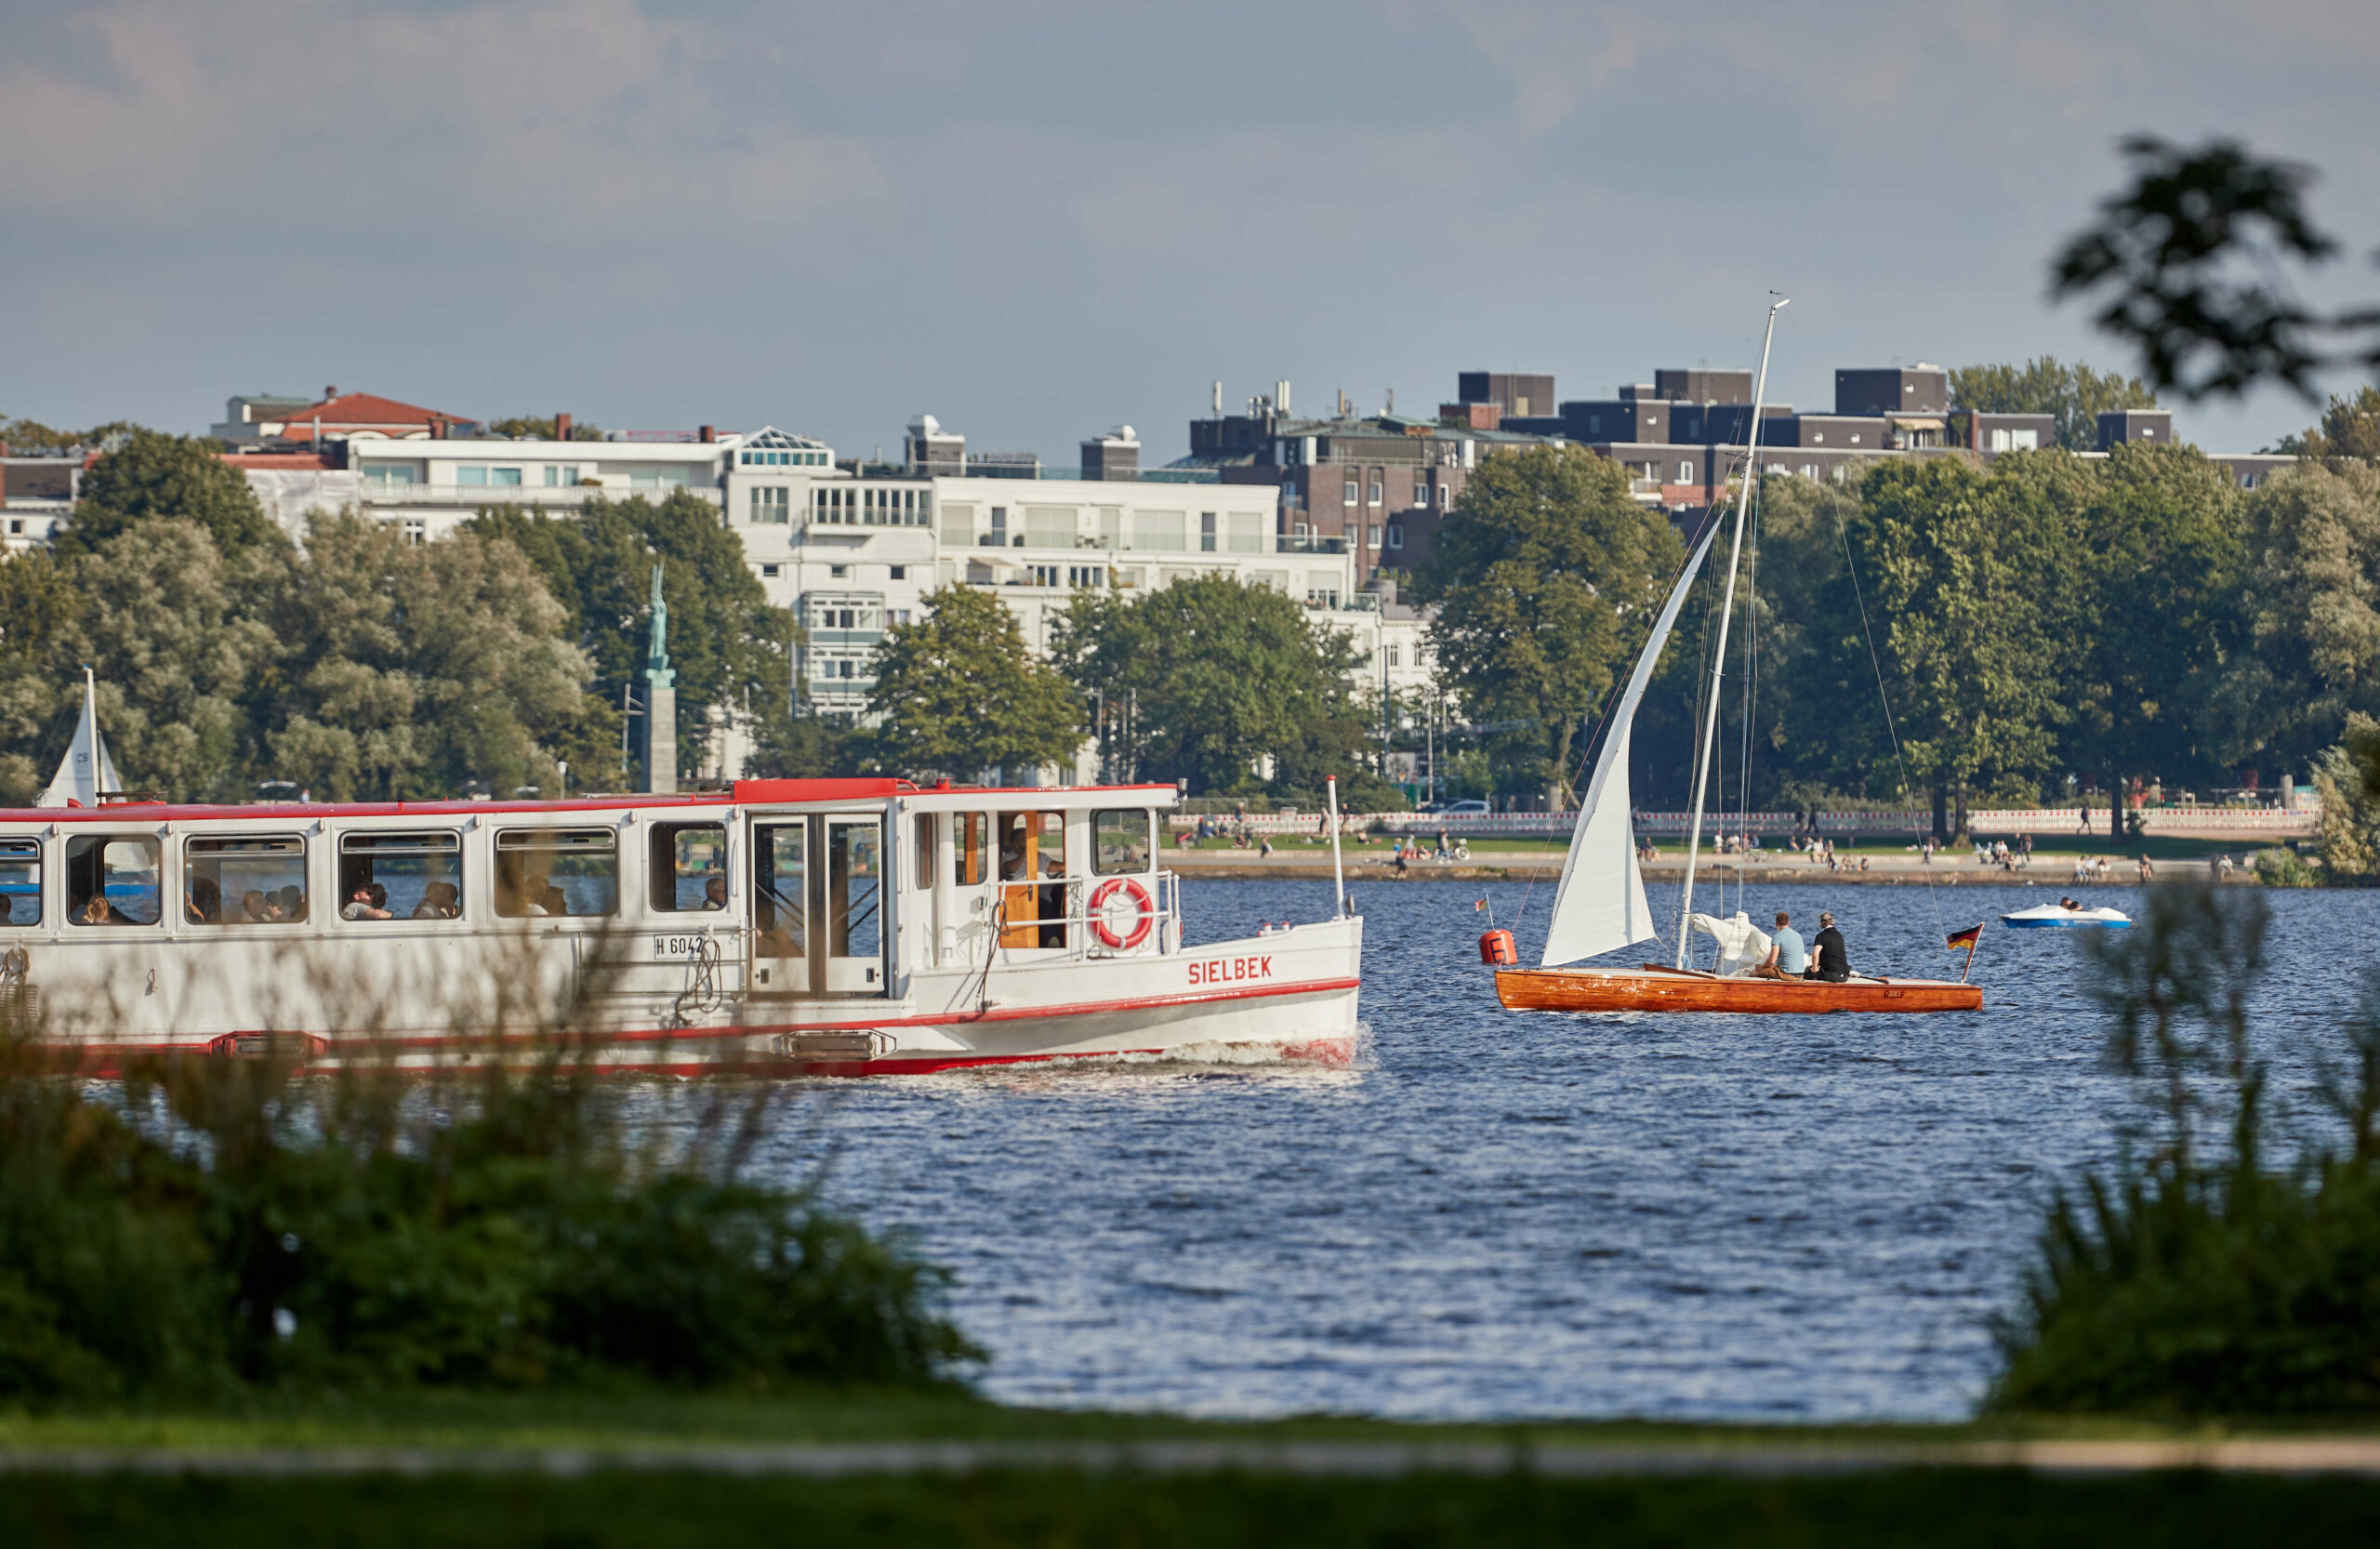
[[1395, 536], [1351, 493], [839, 571], [473, 475], [1042, 574], [416, 530], [1684, 472], [1206, 532], [1375, 492], [1395, 656], [1809, 470], [1446, 498], [1301, 530], [997, 537], [900, 572], [1085, 576], [1375, 539], [771, 503], [771, 572], [392, 473], [896, 615]]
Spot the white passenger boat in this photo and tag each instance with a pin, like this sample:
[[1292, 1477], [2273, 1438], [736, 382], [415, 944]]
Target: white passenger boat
[[850, 926], [2057, 916]]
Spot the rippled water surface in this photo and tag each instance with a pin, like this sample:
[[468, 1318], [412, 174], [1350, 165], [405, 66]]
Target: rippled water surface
[[1494, 1214]]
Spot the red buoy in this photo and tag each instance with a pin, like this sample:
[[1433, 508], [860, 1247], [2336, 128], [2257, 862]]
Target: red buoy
[[1496, 948]]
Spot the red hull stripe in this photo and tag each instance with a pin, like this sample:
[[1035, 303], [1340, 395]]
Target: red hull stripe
[[695, 1035]]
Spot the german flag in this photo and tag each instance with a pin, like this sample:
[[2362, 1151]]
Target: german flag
[[1967, 937]]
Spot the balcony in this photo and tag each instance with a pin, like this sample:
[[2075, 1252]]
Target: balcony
[[557, 498], [1311, 544]]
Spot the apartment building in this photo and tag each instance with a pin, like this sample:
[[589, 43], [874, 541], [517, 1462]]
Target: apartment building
[[432, 485], [855, 548], [1371, 487]]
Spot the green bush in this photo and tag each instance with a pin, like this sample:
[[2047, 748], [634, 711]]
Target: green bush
[[214, 1225], [2278, 867], [2192, 1277]]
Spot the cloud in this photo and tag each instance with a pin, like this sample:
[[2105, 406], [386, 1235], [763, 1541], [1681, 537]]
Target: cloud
[[597, 112]]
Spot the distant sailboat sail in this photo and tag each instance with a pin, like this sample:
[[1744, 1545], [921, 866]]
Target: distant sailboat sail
[[1600, 906], [87, 770]]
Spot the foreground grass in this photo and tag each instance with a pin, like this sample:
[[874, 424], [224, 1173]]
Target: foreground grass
[[1910, 1507], [657, 1503], [631, 1418]]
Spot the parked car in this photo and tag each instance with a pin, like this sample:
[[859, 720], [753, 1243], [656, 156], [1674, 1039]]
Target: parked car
[[1458, 809]]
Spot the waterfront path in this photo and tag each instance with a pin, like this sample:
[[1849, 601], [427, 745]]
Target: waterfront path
[[1369, 863], [1775, 1456]]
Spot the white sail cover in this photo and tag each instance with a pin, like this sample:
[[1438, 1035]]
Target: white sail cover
[[1742, 946], [1600, 906], [87, 770]]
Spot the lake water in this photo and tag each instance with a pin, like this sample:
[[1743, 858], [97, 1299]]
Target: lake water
[[1491, 1214]]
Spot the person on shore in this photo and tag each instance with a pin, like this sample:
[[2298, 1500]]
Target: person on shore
[[2148, 872], [1788, 959], [1831, 959]]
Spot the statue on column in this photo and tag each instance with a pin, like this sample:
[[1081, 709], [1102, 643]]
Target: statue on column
[[657, 670], [660, 701]]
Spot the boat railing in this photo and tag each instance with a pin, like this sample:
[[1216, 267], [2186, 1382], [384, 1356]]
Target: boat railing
[[1082, 941]]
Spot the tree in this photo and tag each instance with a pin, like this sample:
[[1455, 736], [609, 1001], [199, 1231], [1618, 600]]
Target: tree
[[959, 692], [2191, 259], [153, 476], [2311, 605], [419, 670], [2075, 395], [1210, 680], [731, 648], [1956, 578], [29, 438], [1546, 576], [529, 428], [2159, 542], [2349, 427]]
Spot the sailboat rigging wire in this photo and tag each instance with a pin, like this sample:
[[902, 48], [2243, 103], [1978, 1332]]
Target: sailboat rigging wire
[[1843, 533]]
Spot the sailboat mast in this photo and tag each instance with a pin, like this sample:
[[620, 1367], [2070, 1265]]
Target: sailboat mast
[[1727, 610]]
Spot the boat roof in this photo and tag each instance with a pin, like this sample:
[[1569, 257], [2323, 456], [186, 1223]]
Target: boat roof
[[737, 794]]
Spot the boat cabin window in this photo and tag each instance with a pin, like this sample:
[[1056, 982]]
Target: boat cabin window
[[113, 879], [542, 872], [400, 876], [923, 829], [1121, 838], [971, 847], [20, 880], [252, 879], [686, 870]]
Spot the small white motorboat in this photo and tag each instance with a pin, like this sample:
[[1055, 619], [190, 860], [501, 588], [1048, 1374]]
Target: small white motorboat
[[2053, 915]]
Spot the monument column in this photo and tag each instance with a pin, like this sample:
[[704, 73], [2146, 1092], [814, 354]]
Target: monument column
[[660, 702]]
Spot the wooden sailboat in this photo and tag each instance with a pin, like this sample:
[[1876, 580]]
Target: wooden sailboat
[[1600, 904]]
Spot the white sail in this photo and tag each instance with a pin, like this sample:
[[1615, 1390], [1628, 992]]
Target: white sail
[[1600, 906], [87, 770]]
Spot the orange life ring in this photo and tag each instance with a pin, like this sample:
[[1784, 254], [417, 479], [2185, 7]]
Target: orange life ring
[[1140, 901]]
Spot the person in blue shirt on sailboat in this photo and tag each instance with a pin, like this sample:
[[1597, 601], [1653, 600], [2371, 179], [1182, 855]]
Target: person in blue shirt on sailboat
[[1788, 959]]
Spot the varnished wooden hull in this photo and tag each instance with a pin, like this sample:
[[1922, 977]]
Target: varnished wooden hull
[[1653, 988]]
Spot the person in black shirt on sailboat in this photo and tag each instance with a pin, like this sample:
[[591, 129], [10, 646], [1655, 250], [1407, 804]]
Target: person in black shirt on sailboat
[[1829, 960]]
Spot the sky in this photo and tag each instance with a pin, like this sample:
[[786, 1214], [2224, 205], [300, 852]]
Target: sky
[[1039, 220]]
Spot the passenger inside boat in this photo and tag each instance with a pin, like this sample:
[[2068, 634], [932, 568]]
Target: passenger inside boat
[[205, 901], [439, 901], [114, 880]]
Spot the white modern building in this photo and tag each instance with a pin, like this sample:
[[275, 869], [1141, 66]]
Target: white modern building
[[434, 486], [855, 549]]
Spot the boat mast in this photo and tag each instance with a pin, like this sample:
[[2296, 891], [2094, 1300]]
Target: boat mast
[[1726, 609]]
